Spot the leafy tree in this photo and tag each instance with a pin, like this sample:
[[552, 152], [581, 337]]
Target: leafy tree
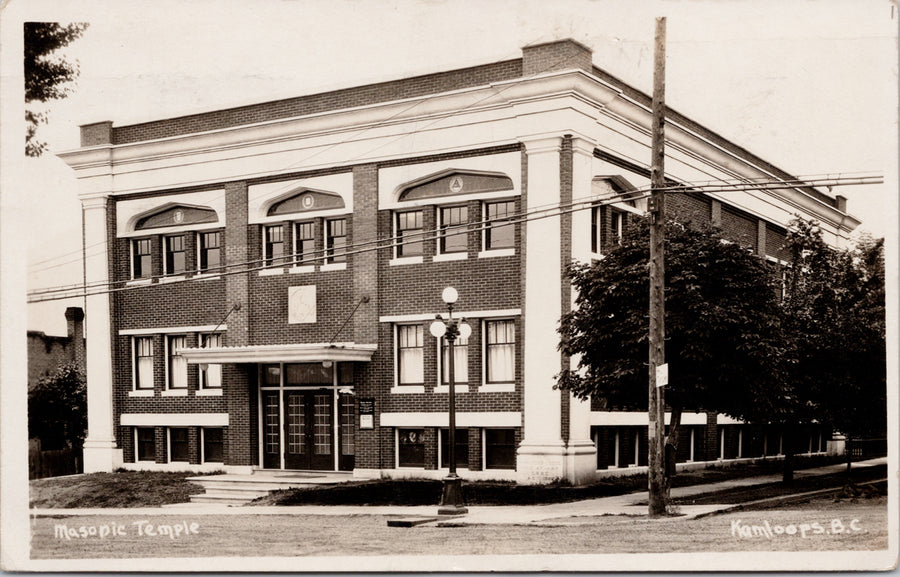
[[723, 327], [835, 318], [57, 409], [47, 76]]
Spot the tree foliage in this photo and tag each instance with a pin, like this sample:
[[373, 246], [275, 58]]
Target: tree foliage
[[835, 312], [47, 75], [722, 325], [57, 409]]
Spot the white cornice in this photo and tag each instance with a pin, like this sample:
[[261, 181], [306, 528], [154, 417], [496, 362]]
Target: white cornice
[[550, 105]]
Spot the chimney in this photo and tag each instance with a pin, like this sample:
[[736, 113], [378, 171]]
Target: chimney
[[557, 55], [75, 324], [97, 133], [841, 202]]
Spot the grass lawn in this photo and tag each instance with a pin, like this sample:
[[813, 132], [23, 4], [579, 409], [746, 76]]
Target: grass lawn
[[423, 492], [119, 489], [800, 485], [253, 535]]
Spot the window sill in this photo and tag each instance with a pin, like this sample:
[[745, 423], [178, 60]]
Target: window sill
[[497, 252], [139, 282], [497, 388], [333, 266], [408, 389], [141, 393], [402, 260], [208, 393], [207, 276], [175, 278], [450, 256], [302, 269], [271, 272], [175, 393], [446, 389]]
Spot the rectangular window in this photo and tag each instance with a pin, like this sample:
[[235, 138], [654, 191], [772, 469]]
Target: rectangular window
[[409, 233], [616, 226], [146, 444], [411, 448], [210, 375], [175, 257], [305, 237], [462, 448], [500, 351], [177, 363], [461, 361], [336, 241], [142, 261], [497, 233], [178, 444], [143, 363], [210, 251], [410, 354], [595, 229], [273, 245], [348, 424], [453, 229], [213, 445], [500, 448]]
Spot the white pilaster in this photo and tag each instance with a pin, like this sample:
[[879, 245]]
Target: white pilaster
[[541, 455], [100, 452], [581, 453]]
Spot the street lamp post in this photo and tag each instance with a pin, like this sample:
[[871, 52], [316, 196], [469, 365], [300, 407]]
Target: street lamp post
[[450, 329]]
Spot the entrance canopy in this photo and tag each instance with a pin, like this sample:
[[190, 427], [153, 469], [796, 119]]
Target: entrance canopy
[[290, 353]]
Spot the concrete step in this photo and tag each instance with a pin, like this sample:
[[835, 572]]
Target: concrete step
[[240, 489], [215, 500]]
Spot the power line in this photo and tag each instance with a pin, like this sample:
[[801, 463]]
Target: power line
[[534, 213], [700, 186], [379, 244]]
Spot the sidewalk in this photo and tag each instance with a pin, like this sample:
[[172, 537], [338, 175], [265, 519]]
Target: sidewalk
[[587, 511]]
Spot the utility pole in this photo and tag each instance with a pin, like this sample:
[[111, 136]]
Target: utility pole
[[656, 411]]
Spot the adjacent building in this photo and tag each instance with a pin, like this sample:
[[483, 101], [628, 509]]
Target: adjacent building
[[275, 266]]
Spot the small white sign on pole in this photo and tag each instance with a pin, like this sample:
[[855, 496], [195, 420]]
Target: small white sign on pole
[[662, 375]]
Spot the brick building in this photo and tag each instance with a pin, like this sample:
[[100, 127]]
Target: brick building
[[46, 353], [279, 264]]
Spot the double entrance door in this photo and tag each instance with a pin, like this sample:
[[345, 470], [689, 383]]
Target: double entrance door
[[302, 430]]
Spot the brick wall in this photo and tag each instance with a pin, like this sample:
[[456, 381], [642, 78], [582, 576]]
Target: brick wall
[[553, 56], [311, 104]]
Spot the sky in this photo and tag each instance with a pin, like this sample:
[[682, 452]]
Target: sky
[[808, 86]]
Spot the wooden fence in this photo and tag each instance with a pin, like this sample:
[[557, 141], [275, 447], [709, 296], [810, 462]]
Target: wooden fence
[[53, 463]]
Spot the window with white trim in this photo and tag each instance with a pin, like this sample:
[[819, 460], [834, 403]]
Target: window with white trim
[[145, 444], [452, 226], [409, 233], [462, 448], [179, 446], [143, 363], [142, 260], [410, 355], [498, 232], [210, 247], [273, 244], [210, 374], [499, 448], [305, 242], [213, 444], [500, 351], [460, 358], [174, 253], [411, 448], [177, 364], [336, 241]]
